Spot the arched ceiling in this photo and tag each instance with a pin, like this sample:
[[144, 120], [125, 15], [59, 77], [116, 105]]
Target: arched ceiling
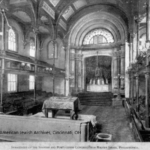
[[117, 15], [97, 17]]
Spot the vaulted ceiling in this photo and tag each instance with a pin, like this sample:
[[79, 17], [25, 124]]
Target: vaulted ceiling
[[84, 15]]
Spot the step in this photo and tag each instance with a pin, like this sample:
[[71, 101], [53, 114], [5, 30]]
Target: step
[[96, 99]]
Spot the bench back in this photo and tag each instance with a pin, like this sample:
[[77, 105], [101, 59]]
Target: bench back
[[21, 128]]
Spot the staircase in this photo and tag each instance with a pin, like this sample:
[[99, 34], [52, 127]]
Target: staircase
[[96, 99]]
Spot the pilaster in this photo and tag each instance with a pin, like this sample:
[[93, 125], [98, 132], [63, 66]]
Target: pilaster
[[2, 11]]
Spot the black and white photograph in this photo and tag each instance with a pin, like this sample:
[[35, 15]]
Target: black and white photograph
[[74, 74]]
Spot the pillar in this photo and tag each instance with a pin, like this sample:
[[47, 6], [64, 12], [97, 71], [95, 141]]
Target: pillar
[[126, 69], [130, 93], [147, 75], [82, 73], [35, 30], [122, 67], [115, 71], [67, 88], [133, 88], [72, 69], [79, 60], [119, 73], [137, 91], [3, 58], [147, 102], [76, 71]]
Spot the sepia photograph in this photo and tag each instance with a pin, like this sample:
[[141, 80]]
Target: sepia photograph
[[74, 74]]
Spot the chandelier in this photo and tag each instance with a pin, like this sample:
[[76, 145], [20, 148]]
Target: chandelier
[[97, 68]]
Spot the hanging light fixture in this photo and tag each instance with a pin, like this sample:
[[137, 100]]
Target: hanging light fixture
[[97, 68]]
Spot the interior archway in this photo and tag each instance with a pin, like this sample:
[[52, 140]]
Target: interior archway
[[114, 27]]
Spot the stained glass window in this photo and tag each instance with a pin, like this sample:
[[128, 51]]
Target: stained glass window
[[11, 40], [98, 36]]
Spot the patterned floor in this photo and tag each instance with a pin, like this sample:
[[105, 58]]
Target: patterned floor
[[113, 120]]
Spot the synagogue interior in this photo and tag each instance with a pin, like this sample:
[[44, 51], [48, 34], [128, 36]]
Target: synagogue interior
[[78, 70]]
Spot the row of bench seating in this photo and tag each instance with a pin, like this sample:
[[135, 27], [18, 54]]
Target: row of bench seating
[[22, 101]]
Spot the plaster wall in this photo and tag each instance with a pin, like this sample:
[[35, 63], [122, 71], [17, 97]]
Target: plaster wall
[[48, 85], [22, 83], [60, 61]]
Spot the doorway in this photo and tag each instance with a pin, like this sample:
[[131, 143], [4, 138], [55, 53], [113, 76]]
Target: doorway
[[98, 76]]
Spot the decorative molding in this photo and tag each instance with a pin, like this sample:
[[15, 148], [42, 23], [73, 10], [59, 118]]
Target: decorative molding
[[48, 9], [79, 4], [98, 46], [54, 2], [63, 24], [68, 12], [17, 1]]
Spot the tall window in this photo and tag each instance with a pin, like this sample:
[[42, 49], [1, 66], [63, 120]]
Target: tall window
[[52, 50], [98, 36], [12, 82], [11, 40], [32, 48], [31, 82], [142, 43]]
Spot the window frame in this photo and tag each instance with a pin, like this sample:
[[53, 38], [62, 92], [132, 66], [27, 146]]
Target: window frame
[[16, 40], [56, 50], [98, 32], [30, 82], [32, 41], [16, 85]]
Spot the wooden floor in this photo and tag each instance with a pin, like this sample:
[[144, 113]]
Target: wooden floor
[[113, 120]]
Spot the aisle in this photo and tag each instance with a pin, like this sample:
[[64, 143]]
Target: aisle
[[113, 120]]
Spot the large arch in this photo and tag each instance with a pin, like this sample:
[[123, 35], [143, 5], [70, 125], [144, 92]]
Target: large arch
[[102, 17], [97, 20]]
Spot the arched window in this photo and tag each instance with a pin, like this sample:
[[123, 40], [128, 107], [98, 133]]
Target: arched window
[[32, 48], [51, 48], [98, 36], [142, 43], [12, 40]]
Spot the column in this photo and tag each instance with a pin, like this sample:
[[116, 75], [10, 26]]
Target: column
[[115, 70], [54, 55], [126, 69], [35, 30], [122, 67], [3, 58], [79, 69], [130, 93], [76, 71], [137, 91], [131, 49], [130, 65], [147, 75], [67, 91], [72, 69], [119, 74], [147, 102], [132, 88], [82, 75]]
